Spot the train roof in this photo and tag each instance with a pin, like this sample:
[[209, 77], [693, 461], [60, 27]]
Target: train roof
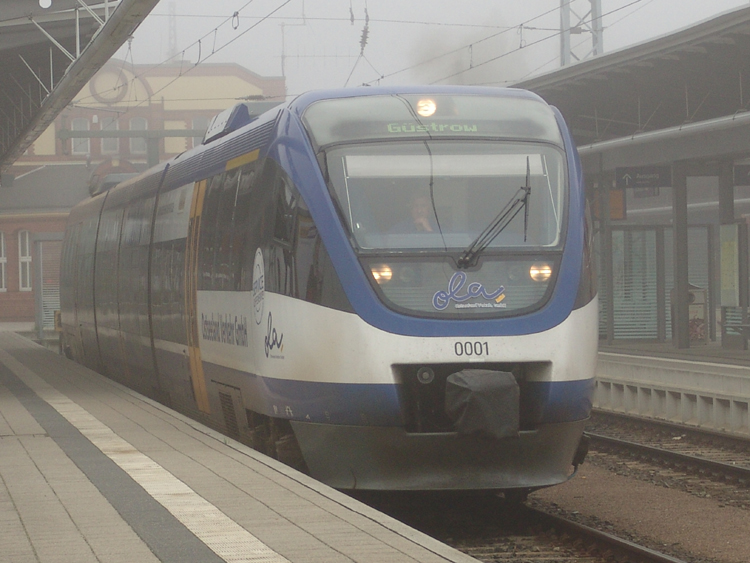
[[230, 126], [301, 102]]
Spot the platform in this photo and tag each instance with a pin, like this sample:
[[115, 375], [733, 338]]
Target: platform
[[92, 471], [698, 352], [706, 386]]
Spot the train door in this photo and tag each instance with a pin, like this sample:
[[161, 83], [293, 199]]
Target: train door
[[68, 295], [191, 298], [85, 267]]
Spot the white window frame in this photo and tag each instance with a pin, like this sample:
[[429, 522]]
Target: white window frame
[[3, 262], [82, 145], [24, 261], [134, 148], [110, 124]]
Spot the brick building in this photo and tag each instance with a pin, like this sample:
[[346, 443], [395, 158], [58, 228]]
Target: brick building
[[54, 173], [32, 209]]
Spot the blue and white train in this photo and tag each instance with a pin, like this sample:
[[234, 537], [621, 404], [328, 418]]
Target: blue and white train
[[390, 288]]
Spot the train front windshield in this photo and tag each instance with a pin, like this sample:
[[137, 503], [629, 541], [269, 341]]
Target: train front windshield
[[417, 192], [441, 195]]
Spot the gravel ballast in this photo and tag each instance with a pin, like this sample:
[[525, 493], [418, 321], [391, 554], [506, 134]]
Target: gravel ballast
[[668, 520]]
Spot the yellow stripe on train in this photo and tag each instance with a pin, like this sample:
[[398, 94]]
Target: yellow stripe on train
[[242, 160]]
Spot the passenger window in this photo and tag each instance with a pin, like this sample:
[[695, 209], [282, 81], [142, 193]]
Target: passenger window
[[259, 213], [286, 203], [222, 278], [241, 227], [208, 232]]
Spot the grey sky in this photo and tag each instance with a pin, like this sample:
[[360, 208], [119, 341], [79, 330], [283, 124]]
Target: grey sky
[[322, 47]]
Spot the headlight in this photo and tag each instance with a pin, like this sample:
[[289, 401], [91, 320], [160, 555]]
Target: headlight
[[540, 272], [382, 273], [426, 107]]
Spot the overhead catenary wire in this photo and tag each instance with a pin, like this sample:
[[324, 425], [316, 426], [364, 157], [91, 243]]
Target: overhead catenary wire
[[553, 59], [474, 43], [356, 19], [473, 64], [214, 51], [207, 40], [214, 31], [362, 42], [507, 53]]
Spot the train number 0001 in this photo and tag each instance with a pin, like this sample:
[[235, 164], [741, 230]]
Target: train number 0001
[[471, 348]]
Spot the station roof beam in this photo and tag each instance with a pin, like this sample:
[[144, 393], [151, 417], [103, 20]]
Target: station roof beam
[[697, 74], [47, 55]]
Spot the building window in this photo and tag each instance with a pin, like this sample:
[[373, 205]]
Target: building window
[[199, 122], [80, 146], [24, 261], [138, 144], [3, 261], [110, 145]]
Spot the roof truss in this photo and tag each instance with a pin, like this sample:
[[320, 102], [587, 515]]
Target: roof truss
[[48, 55]]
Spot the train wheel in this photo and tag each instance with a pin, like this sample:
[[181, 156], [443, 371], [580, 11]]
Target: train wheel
[[516, 497]]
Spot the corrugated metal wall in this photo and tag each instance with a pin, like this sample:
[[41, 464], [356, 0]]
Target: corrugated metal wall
[[50, 257], [636, 252]]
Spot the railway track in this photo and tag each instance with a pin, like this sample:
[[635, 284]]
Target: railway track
[[701, 462], [709, 452], [492, 530], [557, 539]]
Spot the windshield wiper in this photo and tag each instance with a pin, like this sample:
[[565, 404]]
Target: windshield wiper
[[520, 200]]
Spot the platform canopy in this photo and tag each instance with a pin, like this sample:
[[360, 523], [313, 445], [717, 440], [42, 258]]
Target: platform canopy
[[687, 79], [48, 54]]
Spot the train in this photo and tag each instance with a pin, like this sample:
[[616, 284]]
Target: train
[[390, 288]]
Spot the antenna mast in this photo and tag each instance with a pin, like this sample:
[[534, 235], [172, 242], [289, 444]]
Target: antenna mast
[[573, 24], [172, 48]]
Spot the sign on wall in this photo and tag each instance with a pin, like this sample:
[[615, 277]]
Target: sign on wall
[[644, 177]]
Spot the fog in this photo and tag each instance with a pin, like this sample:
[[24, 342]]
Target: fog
[[318, 44]]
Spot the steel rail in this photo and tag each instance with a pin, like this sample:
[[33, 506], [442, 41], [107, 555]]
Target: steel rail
[[670, 425], [737, 471], [643, 553]]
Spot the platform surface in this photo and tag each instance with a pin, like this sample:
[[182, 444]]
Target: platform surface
[[92, 472]]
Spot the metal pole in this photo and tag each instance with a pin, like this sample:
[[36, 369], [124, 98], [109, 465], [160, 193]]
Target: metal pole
[[726, 217], [661, 302], [606, 248], [597, 29], [681, 311], [726, 193], [37, 287], [78, 33]]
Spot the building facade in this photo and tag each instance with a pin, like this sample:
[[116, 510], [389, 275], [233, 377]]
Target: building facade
[[55, 172]]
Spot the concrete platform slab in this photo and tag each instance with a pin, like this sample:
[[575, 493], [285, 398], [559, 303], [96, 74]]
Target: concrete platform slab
[[92, 471]]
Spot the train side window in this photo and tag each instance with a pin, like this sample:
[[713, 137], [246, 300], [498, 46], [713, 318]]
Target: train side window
[[286, 203], [225, 217], [281, 275], [241, 226], [207, 248], [260, 215], [317, 281]]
